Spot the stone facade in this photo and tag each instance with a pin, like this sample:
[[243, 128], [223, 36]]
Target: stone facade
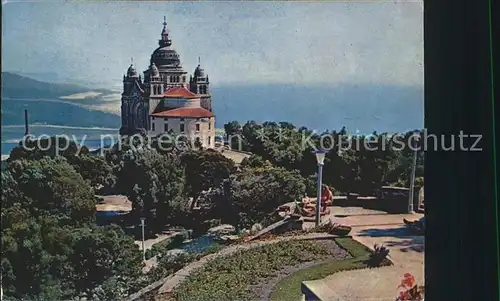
[[193, 128], [166, 100]]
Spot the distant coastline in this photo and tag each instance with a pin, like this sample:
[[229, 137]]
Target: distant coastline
[[60, 127]]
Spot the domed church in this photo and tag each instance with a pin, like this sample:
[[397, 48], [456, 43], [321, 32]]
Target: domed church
[[166, 101]]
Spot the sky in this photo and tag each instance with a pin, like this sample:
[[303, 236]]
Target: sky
[[310, 43]]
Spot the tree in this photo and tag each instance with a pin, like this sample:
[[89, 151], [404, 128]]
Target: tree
[[50, 248], [250, 196], [362, 165], [42, 259], [254, 161], [278, 143], [31, 149], [251, 138], [152, 181], [232, 128], [102, 254], [95, 170], [205, 169], [34, 253], [51, 186]]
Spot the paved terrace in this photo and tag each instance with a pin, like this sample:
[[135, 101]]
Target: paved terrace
[[236, 156], [378, 284]]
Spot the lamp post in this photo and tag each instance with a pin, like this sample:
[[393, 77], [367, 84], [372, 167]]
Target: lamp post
[[412, 181], [320, 159], [143, 249]]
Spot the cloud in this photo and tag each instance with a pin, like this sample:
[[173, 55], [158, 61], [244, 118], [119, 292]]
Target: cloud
[[323, 43]]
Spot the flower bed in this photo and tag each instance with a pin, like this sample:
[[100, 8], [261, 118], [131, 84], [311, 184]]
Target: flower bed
[[288, 288], [242, 275]]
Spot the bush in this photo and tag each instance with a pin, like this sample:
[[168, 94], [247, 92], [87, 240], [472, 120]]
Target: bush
[[149, 254], [177, 240], [333, 228], [212, 249], [167, 244], [176, 262], [378, 256], [158, 248], [168, 265]]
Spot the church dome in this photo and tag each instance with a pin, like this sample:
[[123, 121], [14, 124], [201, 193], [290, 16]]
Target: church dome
[[131, 72], [165, 56]]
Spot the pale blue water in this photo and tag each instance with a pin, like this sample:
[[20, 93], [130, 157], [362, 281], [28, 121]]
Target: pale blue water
[[110, 213], [199, 245], [90, 137], [360, 108]]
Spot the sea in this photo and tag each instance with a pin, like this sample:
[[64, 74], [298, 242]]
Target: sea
[[362, 109], [92, 137]]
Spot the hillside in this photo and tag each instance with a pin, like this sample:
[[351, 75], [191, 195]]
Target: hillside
[[56, 113], [20, 93], [17, 86]]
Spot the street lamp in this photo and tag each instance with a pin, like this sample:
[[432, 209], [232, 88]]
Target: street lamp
[[412, 180], [143, 249], [320, 159]]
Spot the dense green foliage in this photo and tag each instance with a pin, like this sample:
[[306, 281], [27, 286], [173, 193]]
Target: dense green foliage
[[369, 163], [94, 169], [53, 250], [205, 170], [250, 196], [50, 247], [153, 182], [167, 244]]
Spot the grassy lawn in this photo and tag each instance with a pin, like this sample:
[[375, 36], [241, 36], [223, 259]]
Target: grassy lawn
[[231, 277], [289, 287]]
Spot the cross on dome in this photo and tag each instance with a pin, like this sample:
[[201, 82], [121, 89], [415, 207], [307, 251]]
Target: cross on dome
[[165, 41]]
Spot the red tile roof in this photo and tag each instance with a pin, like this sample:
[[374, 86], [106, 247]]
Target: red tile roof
[[179, 92], [185, 112]]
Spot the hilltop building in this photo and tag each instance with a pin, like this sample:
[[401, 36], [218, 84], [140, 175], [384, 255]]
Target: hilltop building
[[166, 100]]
